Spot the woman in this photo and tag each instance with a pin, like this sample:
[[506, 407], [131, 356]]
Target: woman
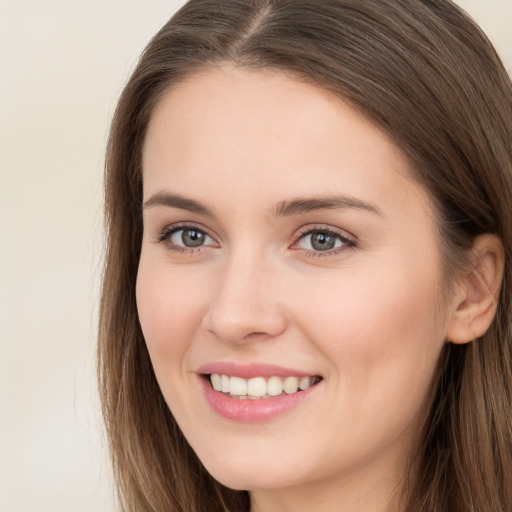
[[306, 302]]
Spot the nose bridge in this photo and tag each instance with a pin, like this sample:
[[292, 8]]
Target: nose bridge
[[245, 304]]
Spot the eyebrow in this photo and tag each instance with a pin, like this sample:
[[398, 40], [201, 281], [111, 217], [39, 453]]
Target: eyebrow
[[177, 201], [304, 205], [284, 208]]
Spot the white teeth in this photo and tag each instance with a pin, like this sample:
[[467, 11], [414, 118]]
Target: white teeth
[[258, 387], [290, 385], [237, 386], [304, 383], [224, 379], [274, 386], [216, 381]]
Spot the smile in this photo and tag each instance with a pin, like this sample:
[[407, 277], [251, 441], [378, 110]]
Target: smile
[[260, 387], [256, 392]]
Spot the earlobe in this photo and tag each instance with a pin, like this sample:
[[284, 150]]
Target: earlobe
[[476, 303]]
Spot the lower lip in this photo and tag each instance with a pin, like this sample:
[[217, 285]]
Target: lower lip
[[251, 411]]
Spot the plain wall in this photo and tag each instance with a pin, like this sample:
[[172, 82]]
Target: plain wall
[[62, 67]]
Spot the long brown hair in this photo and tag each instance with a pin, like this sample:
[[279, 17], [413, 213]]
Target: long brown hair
[[427, 75]]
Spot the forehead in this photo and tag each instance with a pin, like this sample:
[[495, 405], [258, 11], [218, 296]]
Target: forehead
[[253, 102], [266, 134]]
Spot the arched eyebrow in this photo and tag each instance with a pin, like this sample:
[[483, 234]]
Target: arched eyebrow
[[303, 205], [284, 208], [177, 201]]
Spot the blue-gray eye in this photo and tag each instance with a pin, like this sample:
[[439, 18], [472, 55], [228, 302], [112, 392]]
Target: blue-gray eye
[[190, 237], [321, 241]]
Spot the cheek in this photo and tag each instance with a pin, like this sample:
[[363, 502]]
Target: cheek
[[380, 334], [169, 307], [371, 304]]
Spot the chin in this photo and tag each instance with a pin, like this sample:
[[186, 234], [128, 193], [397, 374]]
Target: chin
[[250, 475], [248, 480]]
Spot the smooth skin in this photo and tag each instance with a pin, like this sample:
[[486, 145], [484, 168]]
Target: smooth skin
[[230, 272]]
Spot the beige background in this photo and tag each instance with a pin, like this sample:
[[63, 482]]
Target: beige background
[[62, 66]]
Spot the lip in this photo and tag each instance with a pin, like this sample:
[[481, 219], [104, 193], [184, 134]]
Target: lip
[[252, 411]]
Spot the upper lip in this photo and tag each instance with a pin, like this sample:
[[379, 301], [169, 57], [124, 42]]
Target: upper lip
[[249, 371]]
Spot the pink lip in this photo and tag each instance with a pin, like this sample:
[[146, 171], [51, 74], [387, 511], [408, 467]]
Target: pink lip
[[250, 371], [252, 411]]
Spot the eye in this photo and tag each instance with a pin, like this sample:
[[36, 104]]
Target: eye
[[185, 237], [323, 240], [190, 238]]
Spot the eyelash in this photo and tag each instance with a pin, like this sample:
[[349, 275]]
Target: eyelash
[[346, 242]]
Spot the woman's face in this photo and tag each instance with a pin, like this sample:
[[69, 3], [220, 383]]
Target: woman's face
[[284, 239]]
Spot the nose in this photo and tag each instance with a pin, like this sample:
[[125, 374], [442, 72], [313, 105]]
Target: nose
[[245, 305]]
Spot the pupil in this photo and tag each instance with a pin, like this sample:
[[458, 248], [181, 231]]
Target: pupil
[[192, 238], [322, 241]]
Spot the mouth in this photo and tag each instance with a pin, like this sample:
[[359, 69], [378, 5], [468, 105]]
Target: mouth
[[258, 388], [256, 392]]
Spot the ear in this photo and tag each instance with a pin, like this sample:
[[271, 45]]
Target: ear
[[478, 291]]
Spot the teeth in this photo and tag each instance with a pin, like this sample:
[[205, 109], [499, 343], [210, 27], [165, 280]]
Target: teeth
[[224, 382], [258, 387], [216, 381], [305, 383], [274, 386], [237, 386], [290, 385]]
